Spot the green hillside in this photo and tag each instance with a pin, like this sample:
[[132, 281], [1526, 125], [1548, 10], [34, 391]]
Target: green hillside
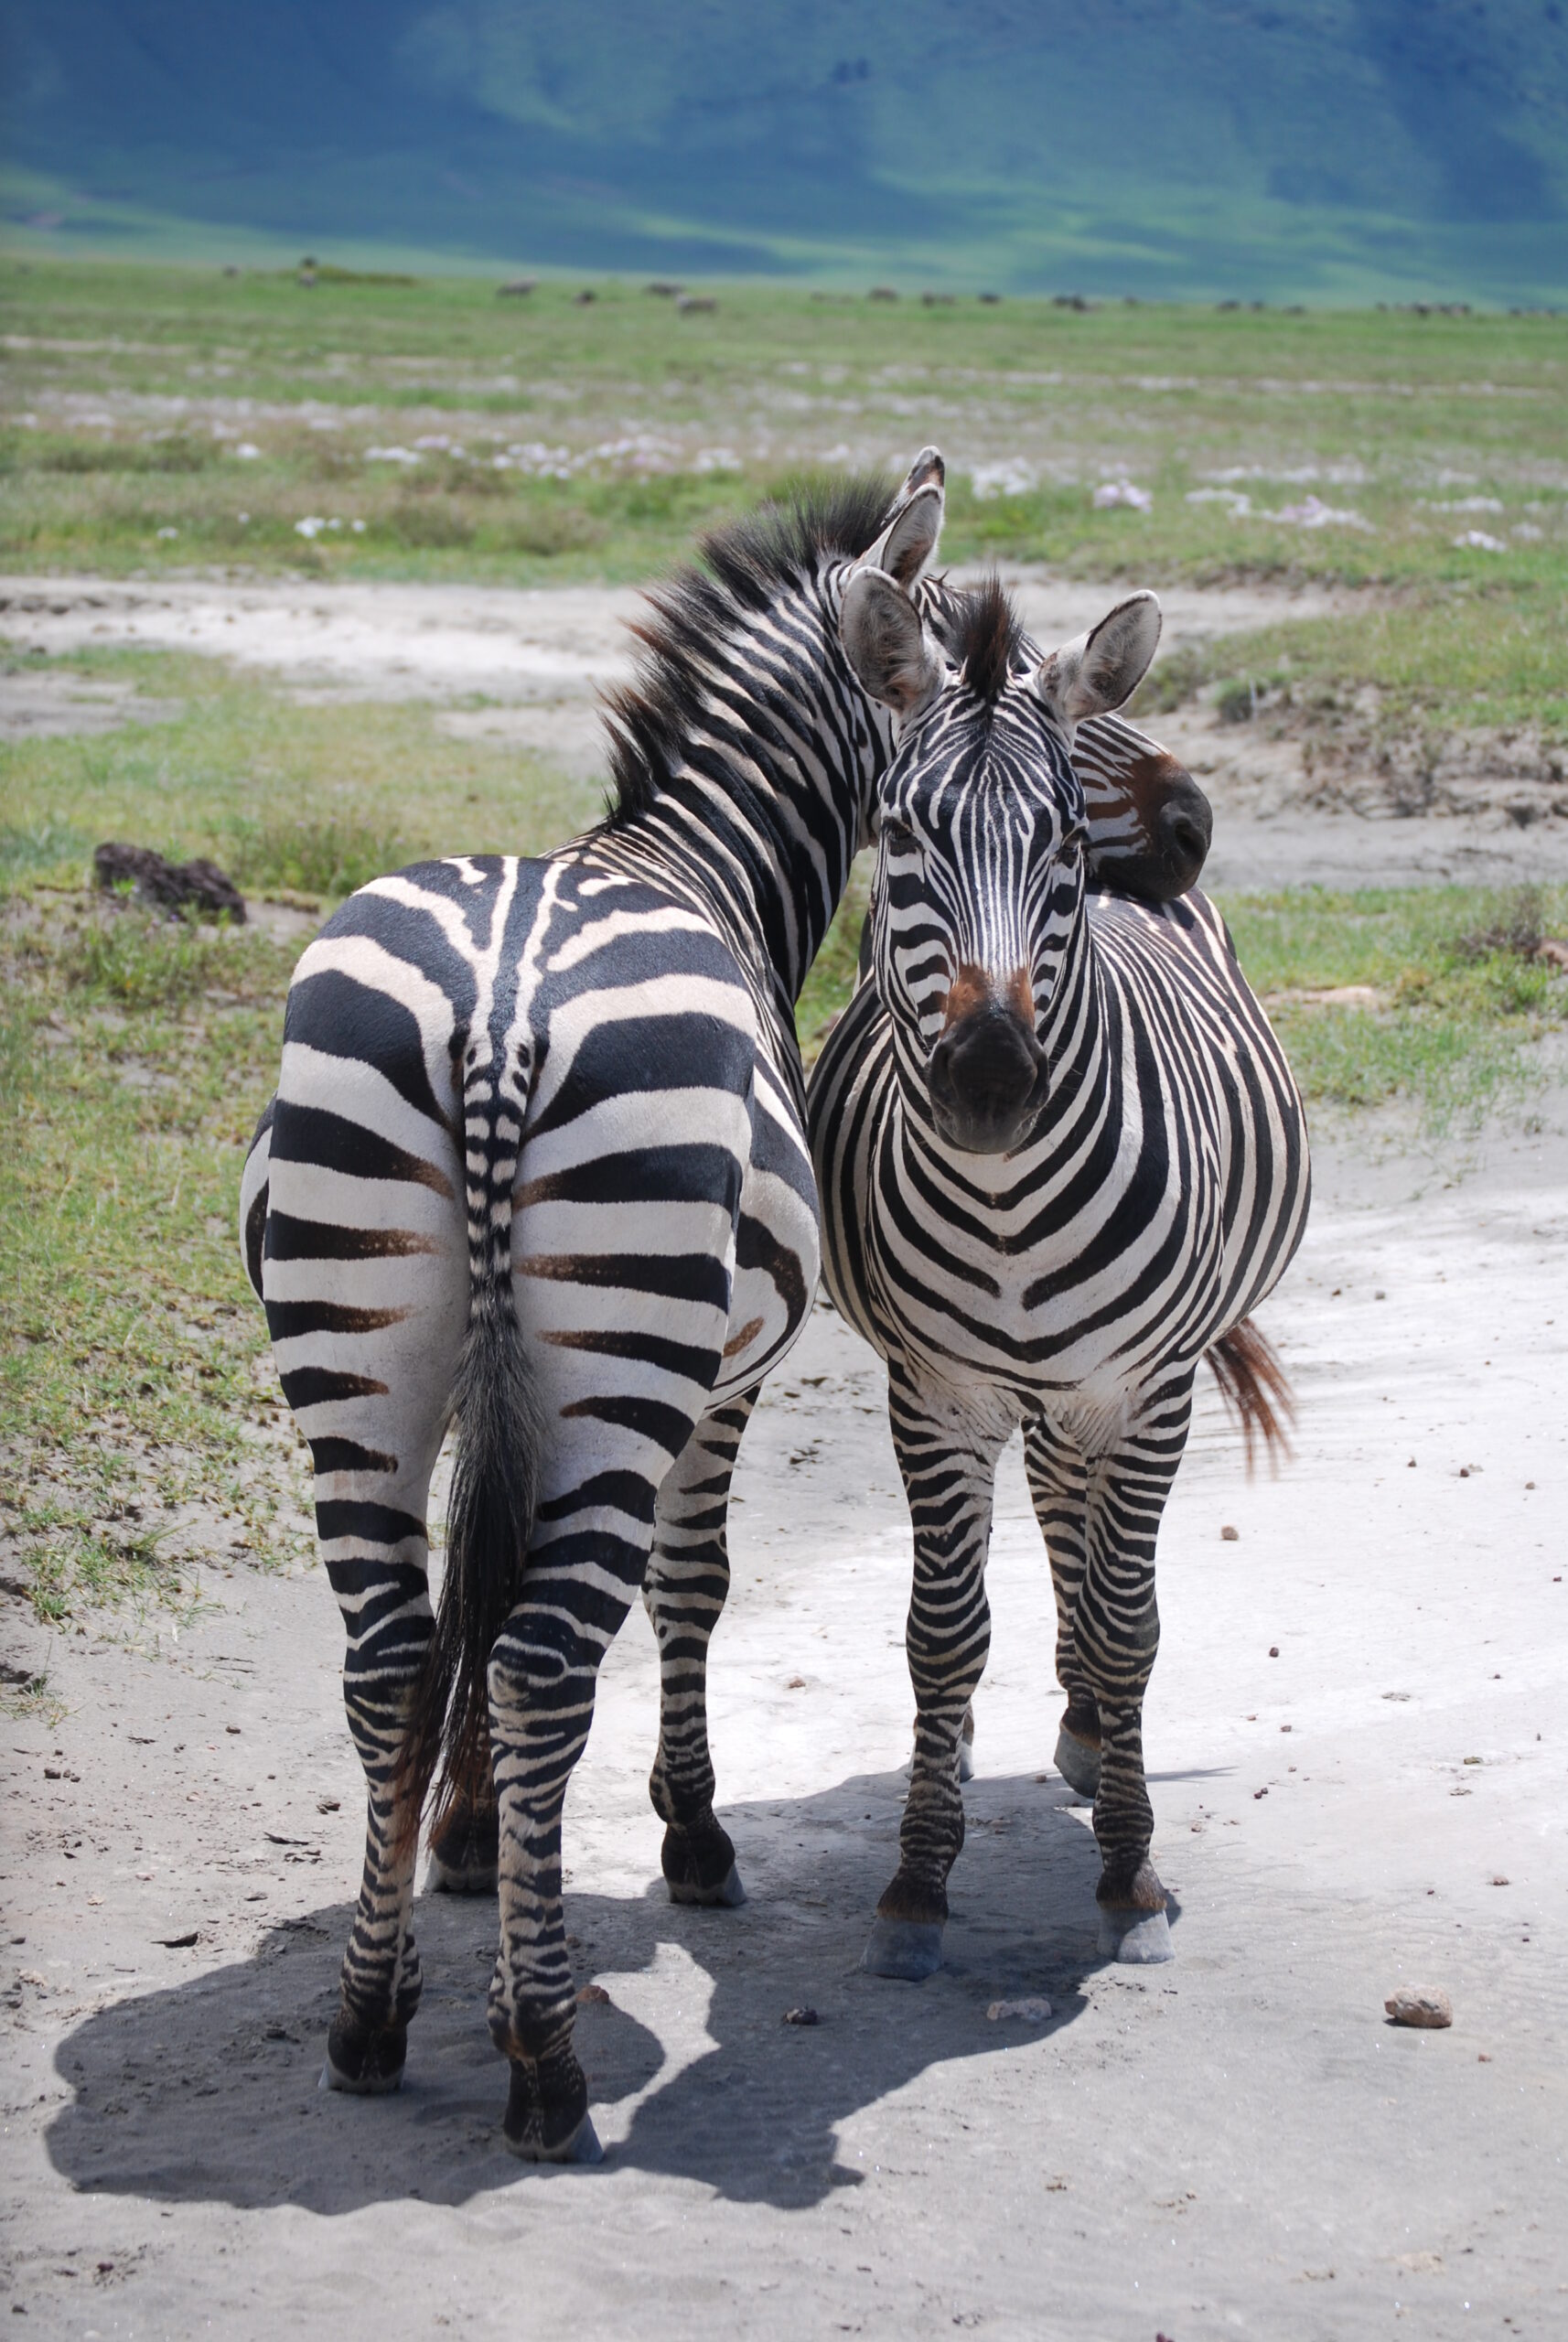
[[1320, 149]]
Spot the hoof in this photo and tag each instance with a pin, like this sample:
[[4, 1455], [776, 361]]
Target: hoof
[[365, 2061], [729, 1892], [1137, 1939], [465, 1852], [911, 1949], [1078, 1765], [547, 2118], [442, 1879], [966, 1760]]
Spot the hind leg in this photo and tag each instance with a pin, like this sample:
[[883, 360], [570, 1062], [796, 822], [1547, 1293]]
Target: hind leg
[[1058, 1484], [366, 1346], [684, 1593]]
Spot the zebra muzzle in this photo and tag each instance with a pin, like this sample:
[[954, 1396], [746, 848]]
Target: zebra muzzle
[[987, 1079]]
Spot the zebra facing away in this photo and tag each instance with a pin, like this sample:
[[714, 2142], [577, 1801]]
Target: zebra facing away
[[537, 1167], [1060, 1157]]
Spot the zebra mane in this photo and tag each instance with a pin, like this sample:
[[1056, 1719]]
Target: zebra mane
[[747, 564], [983, 638]]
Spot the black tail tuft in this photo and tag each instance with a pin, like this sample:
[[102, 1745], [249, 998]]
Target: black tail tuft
[[494, 1491], [1255, 1388]]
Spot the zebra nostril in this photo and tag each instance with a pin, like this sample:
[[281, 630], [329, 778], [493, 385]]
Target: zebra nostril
[[983, 1072]]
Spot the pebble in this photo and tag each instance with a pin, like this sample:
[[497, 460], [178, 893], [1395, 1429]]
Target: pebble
[[1034, 2010], [801, 2016], [1423, 2005], [593, 1996], [1231, 1536]]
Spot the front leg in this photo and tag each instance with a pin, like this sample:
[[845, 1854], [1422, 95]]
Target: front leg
[[947, 1452], [1117, 1634], [684, 1593], [1058, 1484]]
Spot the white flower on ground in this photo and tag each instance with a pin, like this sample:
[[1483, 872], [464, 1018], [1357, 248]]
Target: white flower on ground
[[311, 526], [169, 532], [1122, 491], [1236, 504], [1527, 532], [241, 518], [391, 456], [1312, 513], [1471, 504], [1477, 541], [246, 451], [358, 527], [1008, 478]]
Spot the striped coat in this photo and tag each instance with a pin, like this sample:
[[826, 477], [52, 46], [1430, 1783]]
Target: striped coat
[[1060, 1158]]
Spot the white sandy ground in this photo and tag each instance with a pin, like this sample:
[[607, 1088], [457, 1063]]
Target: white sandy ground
[[529, 667], [1238, 2145]]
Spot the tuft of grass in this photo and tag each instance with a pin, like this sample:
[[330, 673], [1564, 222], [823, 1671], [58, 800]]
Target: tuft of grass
[[327, 859], [134, 958]]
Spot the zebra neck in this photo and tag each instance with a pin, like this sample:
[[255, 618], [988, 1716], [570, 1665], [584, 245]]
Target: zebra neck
[[762, 809]]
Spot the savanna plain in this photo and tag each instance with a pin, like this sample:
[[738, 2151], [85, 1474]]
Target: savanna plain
[[314, 578]]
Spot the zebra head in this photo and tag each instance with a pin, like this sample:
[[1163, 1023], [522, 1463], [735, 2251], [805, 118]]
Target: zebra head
[[977, 906]]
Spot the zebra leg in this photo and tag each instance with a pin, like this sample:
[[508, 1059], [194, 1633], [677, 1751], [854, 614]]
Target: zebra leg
[[463, 1852], [364, 1279], [1058, 1485], [1117, 1631], [948, 1457], [543, 1674], [683, 1592]]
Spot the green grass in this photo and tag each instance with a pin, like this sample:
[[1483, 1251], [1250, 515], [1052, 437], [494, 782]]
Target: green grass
[[134, 1059], [1464, 999], [140, 383]]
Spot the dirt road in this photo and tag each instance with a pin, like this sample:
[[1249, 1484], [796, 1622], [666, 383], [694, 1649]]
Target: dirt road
[[1238, 2145]]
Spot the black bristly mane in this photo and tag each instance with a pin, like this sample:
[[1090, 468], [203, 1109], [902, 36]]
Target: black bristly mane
[[984, 637], [651, 718]]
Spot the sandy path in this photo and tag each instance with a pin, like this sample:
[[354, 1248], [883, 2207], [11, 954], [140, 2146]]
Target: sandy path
[[535, 662], [1236, 2145]]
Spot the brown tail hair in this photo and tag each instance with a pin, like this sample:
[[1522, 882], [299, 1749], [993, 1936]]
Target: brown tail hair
[[1255, 1388]]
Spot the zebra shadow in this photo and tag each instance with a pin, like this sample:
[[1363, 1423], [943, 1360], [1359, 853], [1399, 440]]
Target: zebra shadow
[[206, 2091]]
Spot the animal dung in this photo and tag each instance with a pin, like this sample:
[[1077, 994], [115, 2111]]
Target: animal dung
[[1425, 2006], [1033, 2010]]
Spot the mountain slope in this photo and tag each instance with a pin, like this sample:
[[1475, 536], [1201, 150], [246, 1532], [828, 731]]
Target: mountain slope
[[1166, 144]]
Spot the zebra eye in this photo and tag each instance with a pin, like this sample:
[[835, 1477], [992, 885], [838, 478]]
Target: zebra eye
[[1074, 843], [897, 833]]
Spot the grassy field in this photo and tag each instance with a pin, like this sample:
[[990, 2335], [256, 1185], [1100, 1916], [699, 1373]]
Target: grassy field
[[136, 1057]]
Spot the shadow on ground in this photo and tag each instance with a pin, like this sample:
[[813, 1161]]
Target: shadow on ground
[[206, 2091]]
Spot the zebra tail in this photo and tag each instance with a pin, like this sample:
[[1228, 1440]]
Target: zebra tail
[[500, 1432], [1255, 1388]]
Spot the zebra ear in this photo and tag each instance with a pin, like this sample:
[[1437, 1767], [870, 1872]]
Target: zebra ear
[[909, 540], [887, 644], [1102, 669]]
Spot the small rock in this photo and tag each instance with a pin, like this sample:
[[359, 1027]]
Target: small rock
[[1034, 2010], [1273, 1650], [593, 1996], [179, 1943], [801, 2016], [1421, 2005], [326, 1805], [1231, 1536], [231, 1728]]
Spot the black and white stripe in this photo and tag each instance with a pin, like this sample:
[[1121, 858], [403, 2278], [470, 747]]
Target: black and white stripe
[[1060, 1158], [537, 1165]]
